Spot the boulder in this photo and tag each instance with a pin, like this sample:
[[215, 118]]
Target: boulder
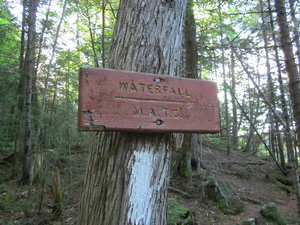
[[250, 221], [270, 212], [222, 193]]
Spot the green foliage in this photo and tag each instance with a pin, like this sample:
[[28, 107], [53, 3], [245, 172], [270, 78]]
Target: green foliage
[[9, 74], [6, 203], [218, 142], [178, 214]]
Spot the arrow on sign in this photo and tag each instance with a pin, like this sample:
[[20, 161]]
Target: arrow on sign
[[189, 102]]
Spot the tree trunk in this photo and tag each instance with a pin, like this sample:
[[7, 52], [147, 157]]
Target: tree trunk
[[127, 176], [103, 54], [283, 104], [275, 138], [191, 64], [293, 76], [227, 124], [190, 159], [233, 103], [19, 136], [29, 73], [295, 27]]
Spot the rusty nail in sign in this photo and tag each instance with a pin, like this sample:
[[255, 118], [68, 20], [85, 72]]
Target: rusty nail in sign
[[115, 100]]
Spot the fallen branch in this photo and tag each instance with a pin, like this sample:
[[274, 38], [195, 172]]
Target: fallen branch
[[250, 200], [180, 192], [239, 162]]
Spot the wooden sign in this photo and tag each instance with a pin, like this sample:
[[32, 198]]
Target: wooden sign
[[114, 100]]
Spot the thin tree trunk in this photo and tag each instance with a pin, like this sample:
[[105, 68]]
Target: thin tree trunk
[[127, 176], [256, 131], [224, 80], [253, 117], [191, 64], [261, 93], [57, 193], [92, 36], [274, 133], [103, 34], [283, 104], [19, 138], [233, 103], [29, 72], [295, 29], [49, 69]]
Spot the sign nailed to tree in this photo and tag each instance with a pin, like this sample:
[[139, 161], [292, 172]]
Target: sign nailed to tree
[[114, 100]]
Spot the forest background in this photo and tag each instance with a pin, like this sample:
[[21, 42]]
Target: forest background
[[239, 46]]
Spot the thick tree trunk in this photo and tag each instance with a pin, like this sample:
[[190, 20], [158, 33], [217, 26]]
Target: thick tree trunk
[[129, 184], [293, 76], [290, 64], [127, 176]]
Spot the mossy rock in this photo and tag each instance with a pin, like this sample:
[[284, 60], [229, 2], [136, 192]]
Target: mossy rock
[[178, 214], [222, 193], [270, 212]]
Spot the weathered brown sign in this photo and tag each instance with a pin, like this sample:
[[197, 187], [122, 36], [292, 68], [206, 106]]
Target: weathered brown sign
[[114, 100]]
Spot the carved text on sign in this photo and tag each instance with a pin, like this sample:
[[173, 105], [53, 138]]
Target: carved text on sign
[[155, 89], [114, 100], [152, 89]]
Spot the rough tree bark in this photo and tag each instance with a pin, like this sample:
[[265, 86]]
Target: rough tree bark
[[293, 77], [189, 152], [127, 176]]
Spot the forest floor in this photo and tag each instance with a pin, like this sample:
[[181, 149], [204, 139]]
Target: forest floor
[[252, 178]]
